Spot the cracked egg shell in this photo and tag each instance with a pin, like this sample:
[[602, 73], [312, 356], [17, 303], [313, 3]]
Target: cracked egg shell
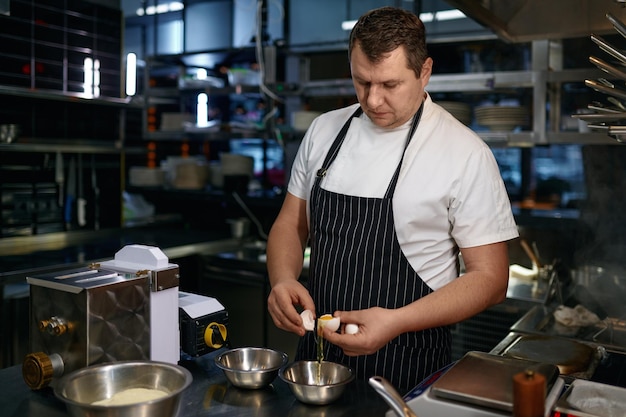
[[351, 328], [328, 322], [308, 322]]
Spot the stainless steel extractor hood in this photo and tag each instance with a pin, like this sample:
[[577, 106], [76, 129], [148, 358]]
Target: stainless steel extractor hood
[[528, 20]]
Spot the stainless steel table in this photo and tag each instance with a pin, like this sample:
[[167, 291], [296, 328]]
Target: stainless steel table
[[209, 395]]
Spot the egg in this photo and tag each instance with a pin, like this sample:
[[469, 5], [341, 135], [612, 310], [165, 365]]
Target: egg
[[327, 321], [351, 328], [307, 320]]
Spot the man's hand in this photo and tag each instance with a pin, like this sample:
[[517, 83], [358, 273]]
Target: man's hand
[[377, 326], [281, 303]]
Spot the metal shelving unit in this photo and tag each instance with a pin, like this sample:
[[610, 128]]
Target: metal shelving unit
[[538, 82], [172, 96], [69, 139]]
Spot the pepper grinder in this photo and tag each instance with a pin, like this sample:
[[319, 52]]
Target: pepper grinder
[[529, 394]]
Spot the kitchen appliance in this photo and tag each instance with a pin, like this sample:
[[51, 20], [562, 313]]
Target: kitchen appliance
[[607, 338], [203, 324], [121, 309], [478, 385]]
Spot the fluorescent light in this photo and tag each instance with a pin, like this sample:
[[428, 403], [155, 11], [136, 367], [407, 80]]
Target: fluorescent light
[[96, 78], [202, 110], [452, 14], [174, 6], [427, 17], [439, 16], [88, 75], [131, 74], [348, 24]]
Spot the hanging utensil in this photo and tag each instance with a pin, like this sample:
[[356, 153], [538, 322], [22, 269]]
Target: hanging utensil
[[617, 103], [601, 117], [612, 91], [608, 68], [617, 24], [606, 82], [391, 396], [601, 108], [531, 254], [610, 49]]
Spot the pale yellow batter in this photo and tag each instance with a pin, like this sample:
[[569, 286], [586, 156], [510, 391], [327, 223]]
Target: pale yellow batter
[[132, 396]]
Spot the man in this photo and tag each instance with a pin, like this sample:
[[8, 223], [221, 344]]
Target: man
[[386, 191]]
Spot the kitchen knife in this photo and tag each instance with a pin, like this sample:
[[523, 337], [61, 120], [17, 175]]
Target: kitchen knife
[[96, 194], [59, 177], [70, 192], [80, 202]]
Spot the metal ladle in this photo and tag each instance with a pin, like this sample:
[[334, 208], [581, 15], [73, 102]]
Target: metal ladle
[[391, 396]]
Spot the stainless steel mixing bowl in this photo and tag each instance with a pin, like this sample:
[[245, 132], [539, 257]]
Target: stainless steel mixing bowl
[[251, 367], [81, 388], [312, 382]]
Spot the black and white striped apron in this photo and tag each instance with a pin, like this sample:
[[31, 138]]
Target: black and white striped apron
[[357, 263]]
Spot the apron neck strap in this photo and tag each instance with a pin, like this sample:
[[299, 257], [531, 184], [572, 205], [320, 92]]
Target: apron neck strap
[[334, 149], [413, 128]]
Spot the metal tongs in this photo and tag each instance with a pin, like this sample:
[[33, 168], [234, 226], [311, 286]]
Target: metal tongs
[[607, 120]]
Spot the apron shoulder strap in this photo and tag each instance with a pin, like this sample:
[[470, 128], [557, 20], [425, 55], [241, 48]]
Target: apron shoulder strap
[[334, 149]]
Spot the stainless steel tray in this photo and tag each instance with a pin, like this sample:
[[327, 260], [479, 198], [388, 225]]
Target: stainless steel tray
[[487, 380]]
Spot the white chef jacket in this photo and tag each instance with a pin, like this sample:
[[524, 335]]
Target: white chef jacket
[[449, 194]]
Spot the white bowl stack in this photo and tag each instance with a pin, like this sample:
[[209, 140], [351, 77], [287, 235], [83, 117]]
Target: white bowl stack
[[501, 118], [461, 111]]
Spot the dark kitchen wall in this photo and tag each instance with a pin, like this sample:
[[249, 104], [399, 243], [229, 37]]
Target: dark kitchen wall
[[69, 144], [603, 215]]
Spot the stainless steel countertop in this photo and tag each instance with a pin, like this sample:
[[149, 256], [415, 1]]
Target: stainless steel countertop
[[536, 290], [209, 395]]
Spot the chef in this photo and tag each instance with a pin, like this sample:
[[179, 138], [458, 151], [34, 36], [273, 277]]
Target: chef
[[387, 192]]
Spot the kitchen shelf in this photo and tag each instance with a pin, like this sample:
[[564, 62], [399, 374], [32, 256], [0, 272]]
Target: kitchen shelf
[[44, 43], [200, 134], [66, 136], [487, 82], [493, 82], [85, 147], [53, 95], [167, 89]]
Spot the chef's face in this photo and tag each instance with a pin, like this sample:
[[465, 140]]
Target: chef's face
[[389, 91]]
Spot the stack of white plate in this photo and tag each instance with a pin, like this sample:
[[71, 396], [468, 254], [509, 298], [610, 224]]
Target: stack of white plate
[[145, 176], [461, 111], [501, 118]]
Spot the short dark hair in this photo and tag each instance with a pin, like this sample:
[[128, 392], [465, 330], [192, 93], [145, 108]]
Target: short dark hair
[[384, 29]]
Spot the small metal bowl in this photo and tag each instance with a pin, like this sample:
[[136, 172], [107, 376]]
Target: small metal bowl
[[251, 367], [80, 389], [317, 383]]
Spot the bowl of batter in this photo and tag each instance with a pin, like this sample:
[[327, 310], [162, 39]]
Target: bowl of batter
[[124, 389]]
